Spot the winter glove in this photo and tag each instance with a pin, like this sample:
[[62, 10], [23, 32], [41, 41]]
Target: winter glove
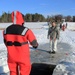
[[35, 46]]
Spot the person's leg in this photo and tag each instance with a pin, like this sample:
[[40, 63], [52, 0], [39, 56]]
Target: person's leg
[[13, 67], [50, 45], [24, 68], [55, 45]]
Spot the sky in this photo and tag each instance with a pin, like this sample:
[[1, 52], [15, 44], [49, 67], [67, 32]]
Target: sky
[[45, 7]]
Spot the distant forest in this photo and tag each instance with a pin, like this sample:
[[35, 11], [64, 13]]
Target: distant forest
[[6, 17]]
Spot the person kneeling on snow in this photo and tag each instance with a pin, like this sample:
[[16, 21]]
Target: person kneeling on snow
[[53, 35]]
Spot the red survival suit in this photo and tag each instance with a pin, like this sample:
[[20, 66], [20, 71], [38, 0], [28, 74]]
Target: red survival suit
[[63, 27], [16, 38]]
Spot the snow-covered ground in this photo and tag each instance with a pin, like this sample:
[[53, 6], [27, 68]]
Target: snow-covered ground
[[40, 29]]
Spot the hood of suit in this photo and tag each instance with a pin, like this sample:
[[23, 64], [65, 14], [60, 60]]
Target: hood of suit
[[17, 17]]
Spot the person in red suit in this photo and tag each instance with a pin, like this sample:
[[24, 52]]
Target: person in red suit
[[63, 27], [17, 38]]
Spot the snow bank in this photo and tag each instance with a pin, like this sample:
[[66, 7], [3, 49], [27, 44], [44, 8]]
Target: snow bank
[[71, 25], [66, 66], [68, 36], [3, 59]]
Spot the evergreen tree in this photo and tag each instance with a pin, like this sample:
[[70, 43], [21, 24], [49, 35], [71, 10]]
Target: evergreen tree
[[73, 18]]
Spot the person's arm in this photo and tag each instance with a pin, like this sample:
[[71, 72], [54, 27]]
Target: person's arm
[[58, 33], [32, 39]]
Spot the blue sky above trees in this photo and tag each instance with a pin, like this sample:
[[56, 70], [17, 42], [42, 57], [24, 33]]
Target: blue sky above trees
[[45, 7]]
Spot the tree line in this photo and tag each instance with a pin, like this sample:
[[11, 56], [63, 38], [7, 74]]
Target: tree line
[[6, 17]]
